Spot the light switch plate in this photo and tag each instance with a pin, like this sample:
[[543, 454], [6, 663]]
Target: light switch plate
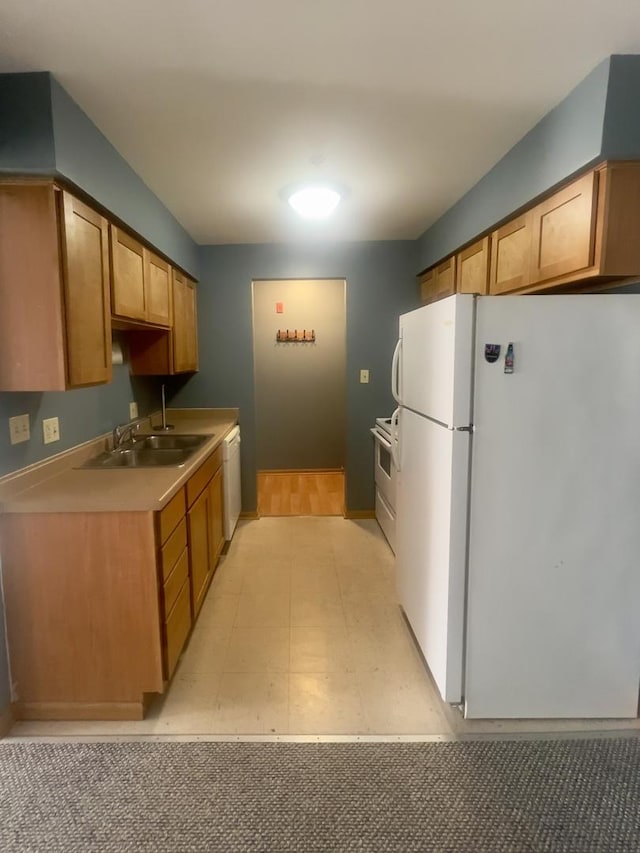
[[364, 376], [50, 430], [19, 429], [133, 410]]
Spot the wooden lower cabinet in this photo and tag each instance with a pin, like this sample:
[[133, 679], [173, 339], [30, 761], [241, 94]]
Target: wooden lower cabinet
[[82, 612], [177, 627], [199, 549], [206, 534], [216, 498], [99, 605]]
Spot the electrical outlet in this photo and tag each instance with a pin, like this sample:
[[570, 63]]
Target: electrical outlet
[[19, 429], [364, 376], [50, 430], [133, 410]]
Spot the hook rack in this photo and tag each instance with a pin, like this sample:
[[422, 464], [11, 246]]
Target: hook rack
[[295, 336]]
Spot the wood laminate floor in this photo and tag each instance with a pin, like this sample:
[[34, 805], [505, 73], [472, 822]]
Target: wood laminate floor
[[300, 493]]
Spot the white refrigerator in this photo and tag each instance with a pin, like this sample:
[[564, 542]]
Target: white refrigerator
[[518, 503]]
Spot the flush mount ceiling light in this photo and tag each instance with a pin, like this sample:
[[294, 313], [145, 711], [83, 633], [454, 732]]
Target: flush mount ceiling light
[[314, 201]]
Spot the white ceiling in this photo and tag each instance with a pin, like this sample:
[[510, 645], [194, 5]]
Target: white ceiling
[[219, 104]]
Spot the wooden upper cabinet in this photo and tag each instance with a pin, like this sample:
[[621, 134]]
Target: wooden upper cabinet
[[55, 321], [563, 229], [85, 258], [159, 352], [510, 255], [185, 332], [472, 268], [127, 286], [439, 281], [141, 286], [582, 236], [158, 289]]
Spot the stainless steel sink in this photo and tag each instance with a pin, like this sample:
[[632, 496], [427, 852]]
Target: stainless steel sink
[[139, 458], [169, 442], [149, 451]]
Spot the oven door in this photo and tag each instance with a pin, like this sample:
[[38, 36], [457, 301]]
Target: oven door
[[384, 468]]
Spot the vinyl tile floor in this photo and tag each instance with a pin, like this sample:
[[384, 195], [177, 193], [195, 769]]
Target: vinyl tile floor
[[301, 634]]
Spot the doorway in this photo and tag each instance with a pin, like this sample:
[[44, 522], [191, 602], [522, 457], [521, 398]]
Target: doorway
[[299, 339]]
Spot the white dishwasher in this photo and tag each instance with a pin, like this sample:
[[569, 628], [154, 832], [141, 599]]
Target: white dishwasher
[[231, 478]]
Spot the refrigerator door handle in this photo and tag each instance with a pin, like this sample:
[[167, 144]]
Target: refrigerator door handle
[[395, 423], [395, 372]]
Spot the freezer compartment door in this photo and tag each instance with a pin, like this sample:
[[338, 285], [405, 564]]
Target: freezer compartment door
[[435, 360], [431, 536]]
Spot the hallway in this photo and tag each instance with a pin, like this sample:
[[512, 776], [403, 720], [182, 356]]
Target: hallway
[[301, 635]]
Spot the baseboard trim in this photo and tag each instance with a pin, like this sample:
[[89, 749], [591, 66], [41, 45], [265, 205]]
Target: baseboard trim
[[359, 513], [6, 721], [301, 471], [79, 710], [249, 514]]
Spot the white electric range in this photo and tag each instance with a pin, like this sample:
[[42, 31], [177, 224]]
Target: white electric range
[[385, 478]]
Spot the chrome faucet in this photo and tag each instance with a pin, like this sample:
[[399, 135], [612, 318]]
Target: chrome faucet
[[164, 425], [124, 432]]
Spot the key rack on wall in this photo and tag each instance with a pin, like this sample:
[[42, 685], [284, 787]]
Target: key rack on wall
[[295, 336]]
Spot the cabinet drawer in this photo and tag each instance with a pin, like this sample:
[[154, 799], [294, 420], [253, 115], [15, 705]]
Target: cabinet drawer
[[202, 476], [169, 517], [174, 582], [177, 628], [173, 547]]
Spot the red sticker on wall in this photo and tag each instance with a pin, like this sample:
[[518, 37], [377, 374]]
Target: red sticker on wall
[[279, 308]]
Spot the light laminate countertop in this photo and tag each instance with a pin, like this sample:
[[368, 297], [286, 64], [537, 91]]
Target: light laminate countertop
[[60, 485]]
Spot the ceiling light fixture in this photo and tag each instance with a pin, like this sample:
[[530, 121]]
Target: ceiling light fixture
[[314, 201]]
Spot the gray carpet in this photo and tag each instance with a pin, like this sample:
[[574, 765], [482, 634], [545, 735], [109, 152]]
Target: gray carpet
[[493, 796]]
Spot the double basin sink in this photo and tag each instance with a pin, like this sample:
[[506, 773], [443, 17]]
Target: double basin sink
[[149, 451]]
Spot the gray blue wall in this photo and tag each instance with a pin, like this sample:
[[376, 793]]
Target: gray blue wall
[[621, 134], [86, 157], [567, 139], [26, 124], [380, 285]]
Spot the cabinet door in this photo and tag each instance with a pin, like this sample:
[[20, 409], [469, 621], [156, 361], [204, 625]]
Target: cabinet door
[[472, 268], [216, 520], [438, 282], [198, 520], [127, 287], [185, 345], [191, 325], [510, 255], [157, 289], [563, 230], [177, 616], [32, 334], [85, 253]]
